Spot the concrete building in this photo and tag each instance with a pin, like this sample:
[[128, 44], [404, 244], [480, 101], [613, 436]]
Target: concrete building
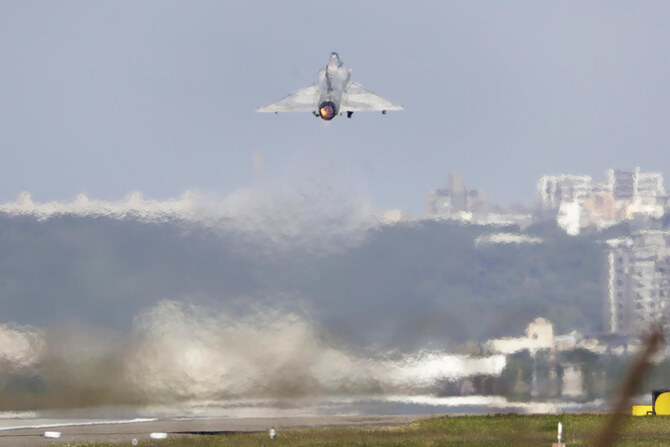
[[638, 292], [557, 360], [633, 184], [649, 184], [460, 203], [622, 183], [553, 190], [619, 259], [456, 201], [572, 382], [539, 335], [576, 202]]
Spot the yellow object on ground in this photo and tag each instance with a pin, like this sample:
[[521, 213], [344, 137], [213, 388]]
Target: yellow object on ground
[[662, 404], [642, 410]]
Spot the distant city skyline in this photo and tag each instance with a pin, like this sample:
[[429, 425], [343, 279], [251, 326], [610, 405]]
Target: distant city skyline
[[552, 194]]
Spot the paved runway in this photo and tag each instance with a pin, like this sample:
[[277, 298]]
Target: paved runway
[[124, 433]]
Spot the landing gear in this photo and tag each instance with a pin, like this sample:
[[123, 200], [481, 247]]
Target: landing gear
[[349, 114]]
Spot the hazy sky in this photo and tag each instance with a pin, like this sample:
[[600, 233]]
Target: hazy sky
[[104, 98]]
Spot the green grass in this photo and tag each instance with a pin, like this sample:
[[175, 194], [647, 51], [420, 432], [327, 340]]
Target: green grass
[[471, 431]]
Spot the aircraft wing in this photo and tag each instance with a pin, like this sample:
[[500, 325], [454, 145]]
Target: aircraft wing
[[358, 99], [303, 100]]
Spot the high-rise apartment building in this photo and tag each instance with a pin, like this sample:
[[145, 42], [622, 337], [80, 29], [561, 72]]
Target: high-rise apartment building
[[638, 292], [556, 189], [456, 198], [578, 202]]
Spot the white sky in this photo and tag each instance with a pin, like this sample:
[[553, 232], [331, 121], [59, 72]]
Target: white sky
[[104, 98]]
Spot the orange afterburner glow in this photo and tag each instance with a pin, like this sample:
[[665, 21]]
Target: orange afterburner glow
[[327, 111]]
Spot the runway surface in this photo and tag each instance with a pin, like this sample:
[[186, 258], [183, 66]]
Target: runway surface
[[125, 432]]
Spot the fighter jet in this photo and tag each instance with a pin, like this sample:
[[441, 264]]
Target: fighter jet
[[333, 94]]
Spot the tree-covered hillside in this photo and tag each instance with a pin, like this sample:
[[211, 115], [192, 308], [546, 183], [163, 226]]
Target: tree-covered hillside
[[401, 286]]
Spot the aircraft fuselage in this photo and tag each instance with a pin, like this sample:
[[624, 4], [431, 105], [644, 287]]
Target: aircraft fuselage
[[333, 80]]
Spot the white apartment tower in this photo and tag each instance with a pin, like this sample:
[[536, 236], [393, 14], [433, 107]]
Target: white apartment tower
[[556, 189], [638, 292], [634, 184]]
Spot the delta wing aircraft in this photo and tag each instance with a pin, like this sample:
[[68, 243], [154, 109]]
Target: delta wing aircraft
[[333, 94]]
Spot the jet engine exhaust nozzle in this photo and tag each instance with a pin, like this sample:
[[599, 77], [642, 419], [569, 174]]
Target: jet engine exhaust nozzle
[[327, 110]]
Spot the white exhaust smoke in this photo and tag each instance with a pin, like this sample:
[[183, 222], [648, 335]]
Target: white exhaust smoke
[[312, 216], [20, 346], [180, 352], [184, 351]]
